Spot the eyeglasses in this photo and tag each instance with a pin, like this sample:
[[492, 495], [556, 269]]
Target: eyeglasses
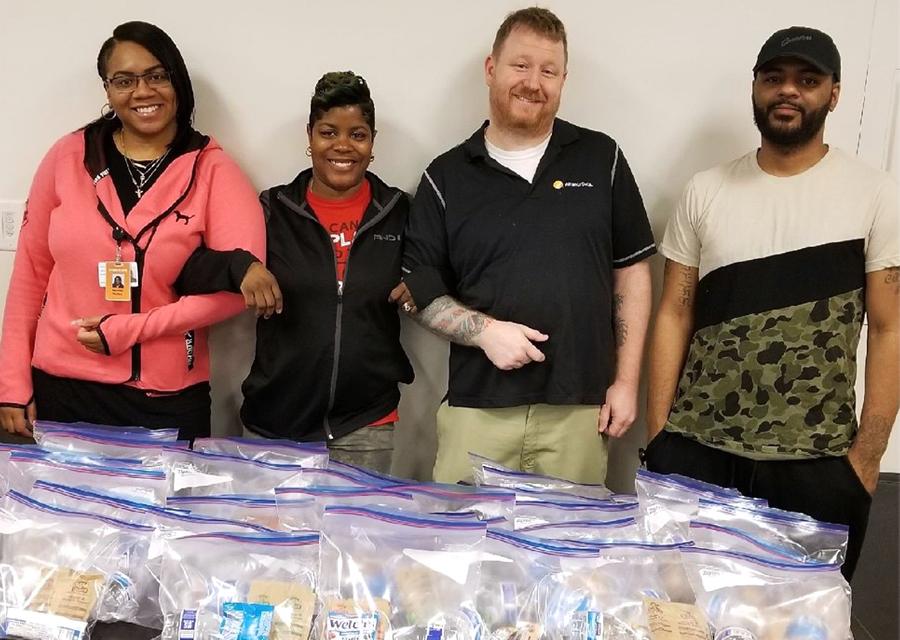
[[126, 83]]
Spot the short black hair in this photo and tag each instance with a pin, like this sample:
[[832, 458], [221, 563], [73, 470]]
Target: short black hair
[[542, 21], [158, 43], [342, 89]]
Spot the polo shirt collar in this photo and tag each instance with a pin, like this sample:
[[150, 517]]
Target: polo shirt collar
[[563, 133]]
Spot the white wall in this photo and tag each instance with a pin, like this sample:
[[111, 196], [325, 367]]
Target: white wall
[[670, 81]]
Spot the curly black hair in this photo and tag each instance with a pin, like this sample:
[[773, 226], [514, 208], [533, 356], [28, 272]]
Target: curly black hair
[[341, 89]]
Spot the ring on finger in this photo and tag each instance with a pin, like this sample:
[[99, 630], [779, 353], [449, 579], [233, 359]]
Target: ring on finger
[[407, 307]]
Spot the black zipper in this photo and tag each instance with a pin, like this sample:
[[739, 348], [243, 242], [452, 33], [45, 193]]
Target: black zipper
[[119, 235], [301, 209]]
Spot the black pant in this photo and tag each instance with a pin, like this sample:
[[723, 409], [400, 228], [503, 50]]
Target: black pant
[[827, 488], [68, 400]]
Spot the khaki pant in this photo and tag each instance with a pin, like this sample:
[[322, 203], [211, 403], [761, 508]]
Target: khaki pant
[[555, 440]]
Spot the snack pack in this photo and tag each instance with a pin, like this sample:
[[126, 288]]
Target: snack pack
[[130, 483], [489, 472], [588, 531], [194, 473], [63, 570], [391, 574], [798, 534], [303, 454], [534, 512], [670, 502], [238, 587], [148, 450], [367, 476], [256, 510], [160, 435], [167, 524], [302, 508], [517, 571], [748, 597], [449, 498]]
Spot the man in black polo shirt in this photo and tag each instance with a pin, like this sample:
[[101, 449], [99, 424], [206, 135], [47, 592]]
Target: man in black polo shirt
[[527, 248]]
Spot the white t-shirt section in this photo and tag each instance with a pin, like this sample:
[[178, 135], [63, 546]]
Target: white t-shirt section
[[524, 161], [737, 212]]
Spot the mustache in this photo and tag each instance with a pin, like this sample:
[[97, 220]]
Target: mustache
[[789, 105]]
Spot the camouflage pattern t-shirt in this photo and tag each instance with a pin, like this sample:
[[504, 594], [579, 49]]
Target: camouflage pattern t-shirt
[[782, 261]]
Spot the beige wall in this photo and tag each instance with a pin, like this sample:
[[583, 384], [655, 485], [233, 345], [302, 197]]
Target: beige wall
[[669, 80]]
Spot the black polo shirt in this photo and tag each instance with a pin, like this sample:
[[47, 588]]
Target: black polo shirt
[[541, 254]]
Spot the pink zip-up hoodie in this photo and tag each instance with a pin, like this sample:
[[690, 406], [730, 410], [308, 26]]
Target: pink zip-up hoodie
[[63, 238]]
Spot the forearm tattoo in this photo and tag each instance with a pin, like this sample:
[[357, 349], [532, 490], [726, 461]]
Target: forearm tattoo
[[620, 326], [685, 286], [450, 319]]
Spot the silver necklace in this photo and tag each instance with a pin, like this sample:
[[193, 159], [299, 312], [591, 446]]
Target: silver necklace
[[144, 171]]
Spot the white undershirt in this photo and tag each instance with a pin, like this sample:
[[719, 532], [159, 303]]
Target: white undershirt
[[524, 161]]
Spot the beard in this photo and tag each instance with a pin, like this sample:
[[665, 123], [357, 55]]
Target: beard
[[506, 116], [811, 122]]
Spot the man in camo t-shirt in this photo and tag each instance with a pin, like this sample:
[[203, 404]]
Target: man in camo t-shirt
[[772, 261]]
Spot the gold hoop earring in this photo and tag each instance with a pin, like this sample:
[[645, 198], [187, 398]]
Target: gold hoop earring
[[107, 112], [309, 152]]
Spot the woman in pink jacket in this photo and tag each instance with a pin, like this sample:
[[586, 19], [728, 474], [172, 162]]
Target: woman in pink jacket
[[93, 329]]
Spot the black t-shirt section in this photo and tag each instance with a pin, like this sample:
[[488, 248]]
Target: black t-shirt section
[[118, 170], [778, 281]]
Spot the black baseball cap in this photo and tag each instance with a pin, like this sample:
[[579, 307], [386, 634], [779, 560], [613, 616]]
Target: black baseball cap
[[806, 43]]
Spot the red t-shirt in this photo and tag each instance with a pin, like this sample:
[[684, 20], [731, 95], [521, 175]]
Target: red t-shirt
[[341, 219]]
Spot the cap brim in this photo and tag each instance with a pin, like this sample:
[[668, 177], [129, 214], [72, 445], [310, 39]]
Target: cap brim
[[796, 56]]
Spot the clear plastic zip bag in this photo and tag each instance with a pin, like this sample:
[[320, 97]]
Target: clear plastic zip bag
[[303, 454], [670, 501], [392, 575], [258, 510], [226, 586], [303, 507], [141, 433], [803, 537], [168, 524], [61, 571], [589, 532], [489, 472], [515, 569], [131, 483], [534, 512], [434, 497], [747, 597], [193, 473], [109, 445]]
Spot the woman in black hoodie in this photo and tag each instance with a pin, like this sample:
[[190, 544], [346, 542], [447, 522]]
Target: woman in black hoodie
[[328, 355]]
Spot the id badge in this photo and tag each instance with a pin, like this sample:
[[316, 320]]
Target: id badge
[[117, 281]]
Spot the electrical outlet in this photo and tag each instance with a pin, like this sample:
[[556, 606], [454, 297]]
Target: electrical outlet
[[11, 212]]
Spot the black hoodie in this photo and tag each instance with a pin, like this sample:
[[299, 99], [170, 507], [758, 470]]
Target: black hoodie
[[329, 364]]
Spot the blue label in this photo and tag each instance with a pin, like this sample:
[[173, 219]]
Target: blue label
[[187, 627], [586, 625], [246, 621]]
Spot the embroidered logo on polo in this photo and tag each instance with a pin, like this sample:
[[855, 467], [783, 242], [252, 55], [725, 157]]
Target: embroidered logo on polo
[[182, 217], [559, 184]]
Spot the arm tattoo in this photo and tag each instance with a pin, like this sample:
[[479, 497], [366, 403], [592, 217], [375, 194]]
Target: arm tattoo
[[621, 328], [893, 277], [449, 319], [685, 286]]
